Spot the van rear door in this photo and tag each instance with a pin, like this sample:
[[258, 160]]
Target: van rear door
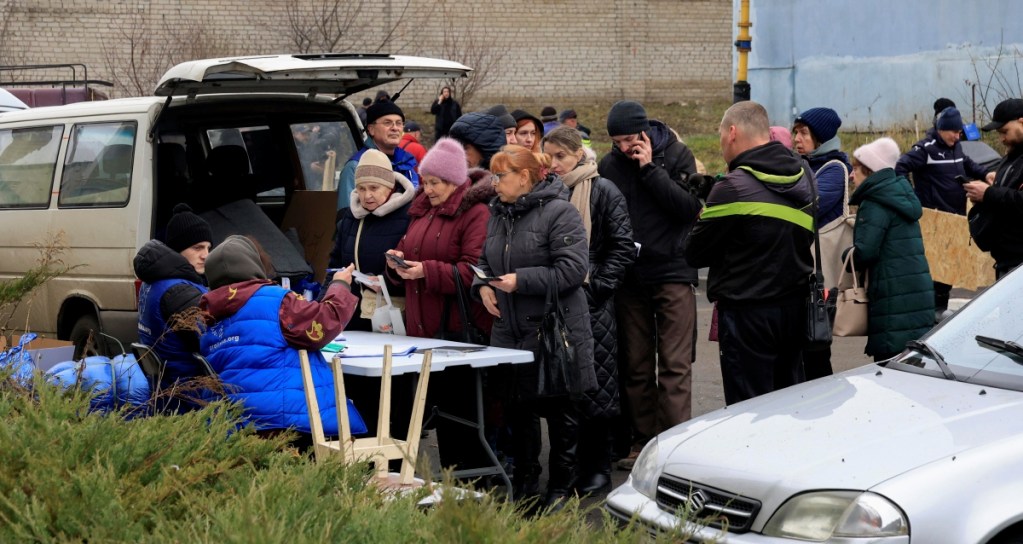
[[341, 73]]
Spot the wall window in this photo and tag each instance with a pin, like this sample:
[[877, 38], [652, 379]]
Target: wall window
[[97, 168], [28, 158]]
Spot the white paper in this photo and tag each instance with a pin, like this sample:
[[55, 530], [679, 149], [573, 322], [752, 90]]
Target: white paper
[[365, 279]]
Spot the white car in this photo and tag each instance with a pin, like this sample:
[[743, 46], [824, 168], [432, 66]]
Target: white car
[[9, 102], [924, 448]]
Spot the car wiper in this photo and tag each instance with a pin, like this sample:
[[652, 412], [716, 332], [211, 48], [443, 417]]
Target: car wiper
[[924, 347], [1007, 346]]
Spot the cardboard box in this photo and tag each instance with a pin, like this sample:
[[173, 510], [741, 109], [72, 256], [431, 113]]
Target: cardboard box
[[312, 214], [46, 352]]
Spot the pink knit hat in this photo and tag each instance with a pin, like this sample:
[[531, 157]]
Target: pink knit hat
[[446, 160], [781, 134], [877, 155]]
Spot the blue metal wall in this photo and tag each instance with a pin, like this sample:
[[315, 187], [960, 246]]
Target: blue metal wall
[[879, 63]]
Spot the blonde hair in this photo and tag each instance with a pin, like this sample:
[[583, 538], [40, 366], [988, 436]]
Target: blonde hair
[[517, 158]]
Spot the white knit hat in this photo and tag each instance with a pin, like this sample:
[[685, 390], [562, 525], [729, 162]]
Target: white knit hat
[[877, 155], [374, 167]]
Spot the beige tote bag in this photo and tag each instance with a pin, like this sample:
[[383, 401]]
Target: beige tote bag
[[851, 306]]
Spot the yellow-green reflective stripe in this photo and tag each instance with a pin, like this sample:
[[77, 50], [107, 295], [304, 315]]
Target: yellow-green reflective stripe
[[771, 178], [763, 209]]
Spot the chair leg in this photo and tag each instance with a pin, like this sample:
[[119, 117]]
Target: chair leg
[[415, 429], [315, 423], [344, 424]]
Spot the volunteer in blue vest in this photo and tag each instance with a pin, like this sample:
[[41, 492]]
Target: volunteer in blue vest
[[172, 281], [256, 330]]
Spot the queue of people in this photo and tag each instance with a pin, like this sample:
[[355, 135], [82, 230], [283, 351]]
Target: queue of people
[[618, 240]]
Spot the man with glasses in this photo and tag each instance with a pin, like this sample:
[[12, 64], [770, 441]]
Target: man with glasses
[[998, 199], [385, 126]]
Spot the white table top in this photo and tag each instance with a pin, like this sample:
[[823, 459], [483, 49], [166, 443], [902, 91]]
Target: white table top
[[364, 342]]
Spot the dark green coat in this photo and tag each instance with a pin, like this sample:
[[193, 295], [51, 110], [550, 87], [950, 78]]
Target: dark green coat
[[889, 246]]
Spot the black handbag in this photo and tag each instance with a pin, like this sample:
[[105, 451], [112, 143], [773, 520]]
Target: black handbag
[[557, 372], [470, 334], [820, 307]]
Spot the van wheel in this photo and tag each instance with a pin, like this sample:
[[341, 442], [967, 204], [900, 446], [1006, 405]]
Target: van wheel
[[86, 325]]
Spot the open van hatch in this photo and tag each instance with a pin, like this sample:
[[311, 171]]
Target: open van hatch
[[341, 74]]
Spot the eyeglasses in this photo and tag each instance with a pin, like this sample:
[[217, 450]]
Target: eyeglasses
[[391, 124], [498, 176]]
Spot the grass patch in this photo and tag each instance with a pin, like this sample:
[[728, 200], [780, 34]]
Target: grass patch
[[67, 475]]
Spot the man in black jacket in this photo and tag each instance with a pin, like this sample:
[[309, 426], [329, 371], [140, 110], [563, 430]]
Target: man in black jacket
[[999, 196], [755, 236], [656, 305]]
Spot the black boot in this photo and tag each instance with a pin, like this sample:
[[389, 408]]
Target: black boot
[[594, 458], [526, 446], [563, 427]]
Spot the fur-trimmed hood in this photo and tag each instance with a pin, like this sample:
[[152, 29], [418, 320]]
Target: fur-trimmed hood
[[480, 189], [397, 200]]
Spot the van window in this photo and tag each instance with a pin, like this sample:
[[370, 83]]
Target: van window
[[28, 158], [97, 167], [319, 145]]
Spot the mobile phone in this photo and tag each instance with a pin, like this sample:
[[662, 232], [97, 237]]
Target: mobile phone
[[481, 274], [397, 260], [962, 180]]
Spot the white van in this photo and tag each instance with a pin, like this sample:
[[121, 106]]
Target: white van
[[219, 132]]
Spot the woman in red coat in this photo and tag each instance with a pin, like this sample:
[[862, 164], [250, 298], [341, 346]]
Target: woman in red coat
[[447, 230]]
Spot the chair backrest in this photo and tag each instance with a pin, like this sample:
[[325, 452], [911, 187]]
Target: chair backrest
[[150, 363], [205, 368]]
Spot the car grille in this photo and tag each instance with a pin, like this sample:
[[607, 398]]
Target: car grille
[[707, 505]]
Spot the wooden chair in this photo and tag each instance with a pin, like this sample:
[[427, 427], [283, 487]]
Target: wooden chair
[[377, 449]]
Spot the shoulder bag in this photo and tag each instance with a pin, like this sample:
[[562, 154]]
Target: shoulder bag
[[470, 334], [851, 306], [557, 371], [836, 235], [818, 305]]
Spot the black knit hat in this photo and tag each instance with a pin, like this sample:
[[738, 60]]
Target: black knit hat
[[627, 117], [942, 103], [185, 229], [548, 113], [502, 115], [380, 109]]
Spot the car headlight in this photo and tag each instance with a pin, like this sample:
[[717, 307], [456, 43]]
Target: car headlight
[[821, 515], [646, 470]]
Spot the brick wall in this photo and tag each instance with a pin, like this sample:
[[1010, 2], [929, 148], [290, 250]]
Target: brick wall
[[556, 51]]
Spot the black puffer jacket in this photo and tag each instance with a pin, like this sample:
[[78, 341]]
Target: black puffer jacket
[[662, 209], [540, 237], [611, 254]]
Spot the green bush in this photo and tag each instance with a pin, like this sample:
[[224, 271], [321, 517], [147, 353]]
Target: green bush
[[67, 475]]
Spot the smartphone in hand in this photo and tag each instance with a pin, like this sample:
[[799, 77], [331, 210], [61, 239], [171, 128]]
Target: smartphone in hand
[[961, 180], [481, 274], [398, 261]]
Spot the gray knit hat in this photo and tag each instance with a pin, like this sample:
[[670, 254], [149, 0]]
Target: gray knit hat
[[627, 117], [235, 260]]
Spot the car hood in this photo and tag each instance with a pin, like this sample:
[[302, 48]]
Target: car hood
[[337, 73], [853, 430]]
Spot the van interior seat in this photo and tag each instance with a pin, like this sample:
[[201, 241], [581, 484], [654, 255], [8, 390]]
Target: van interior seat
[[230, 180], [172, 179], [115, 161]]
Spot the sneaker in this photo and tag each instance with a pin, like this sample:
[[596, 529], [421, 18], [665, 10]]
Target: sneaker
[[626, 463]]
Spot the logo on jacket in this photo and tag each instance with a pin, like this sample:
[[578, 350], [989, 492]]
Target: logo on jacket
[[233, 291], [315, 332]]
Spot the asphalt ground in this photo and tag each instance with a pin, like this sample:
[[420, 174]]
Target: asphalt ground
[[708, 395]]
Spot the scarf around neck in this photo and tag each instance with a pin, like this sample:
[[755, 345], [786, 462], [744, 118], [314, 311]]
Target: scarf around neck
[[580, 181]]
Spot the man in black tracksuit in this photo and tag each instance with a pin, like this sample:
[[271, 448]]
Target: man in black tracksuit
[[656, 305], [755, 236]]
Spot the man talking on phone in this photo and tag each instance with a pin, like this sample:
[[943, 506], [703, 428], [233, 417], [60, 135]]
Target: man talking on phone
[[656, 306]]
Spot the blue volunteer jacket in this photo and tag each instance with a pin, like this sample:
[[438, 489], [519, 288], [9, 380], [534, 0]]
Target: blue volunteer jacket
[[262, 371], [151, 326]]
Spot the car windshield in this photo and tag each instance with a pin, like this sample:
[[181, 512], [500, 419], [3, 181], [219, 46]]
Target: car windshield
[[996, 316]]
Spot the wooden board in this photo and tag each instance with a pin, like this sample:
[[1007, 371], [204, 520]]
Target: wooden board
[[951, 254]]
